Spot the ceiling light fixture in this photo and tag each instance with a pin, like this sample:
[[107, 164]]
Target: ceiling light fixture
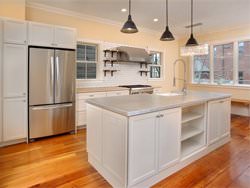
[[124, 10], [192, 41], [167, 35], [129, 26], [155, 20]]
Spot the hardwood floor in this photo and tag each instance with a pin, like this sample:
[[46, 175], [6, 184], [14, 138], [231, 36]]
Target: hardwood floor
[[62, 162]]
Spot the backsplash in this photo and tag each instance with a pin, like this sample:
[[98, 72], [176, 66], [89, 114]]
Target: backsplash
[[128, 73]]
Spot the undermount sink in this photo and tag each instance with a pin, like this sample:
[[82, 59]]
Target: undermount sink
[[170, 94]]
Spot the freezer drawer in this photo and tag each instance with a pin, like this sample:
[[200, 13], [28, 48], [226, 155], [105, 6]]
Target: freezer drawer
[[51, 120]]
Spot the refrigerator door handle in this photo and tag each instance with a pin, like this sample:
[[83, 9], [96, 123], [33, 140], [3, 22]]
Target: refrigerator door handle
[[51, 75], [57, 75], [51, 106]]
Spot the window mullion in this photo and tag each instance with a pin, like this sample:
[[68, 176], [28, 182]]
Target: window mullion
[[235, 63], [211, 58]]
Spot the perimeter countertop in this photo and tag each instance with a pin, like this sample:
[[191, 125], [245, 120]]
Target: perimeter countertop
[[100, 89], [132, 105]]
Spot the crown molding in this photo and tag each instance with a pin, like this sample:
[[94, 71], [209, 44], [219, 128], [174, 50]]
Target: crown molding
[[86, 17]]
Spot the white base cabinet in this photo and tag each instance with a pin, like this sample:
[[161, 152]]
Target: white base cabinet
[[139, 151], [218, 119], [14, 119]]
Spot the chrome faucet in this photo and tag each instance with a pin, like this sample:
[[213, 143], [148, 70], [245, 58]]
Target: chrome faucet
[[184, 88]]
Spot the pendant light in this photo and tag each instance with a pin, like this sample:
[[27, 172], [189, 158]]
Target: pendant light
[[192, 41], [129, 26], [167, 35]]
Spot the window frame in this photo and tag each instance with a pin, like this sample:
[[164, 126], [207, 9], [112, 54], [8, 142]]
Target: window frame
[[235, 83], [97, 45], [162, 57]]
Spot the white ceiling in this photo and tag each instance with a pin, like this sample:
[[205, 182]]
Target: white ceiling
[[214, 14]]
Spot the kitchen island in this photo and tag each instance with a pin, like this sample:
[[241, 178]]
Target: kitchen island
[[138, 140]]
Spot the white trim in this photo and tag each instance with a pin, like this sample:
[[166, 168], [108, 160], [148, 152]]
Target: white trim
[[240, 87], [85, 16]]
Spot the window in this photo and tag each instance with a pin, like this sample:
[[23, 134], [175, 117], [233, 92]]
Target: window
[[223, 63], [244, 62], [201, 68], [86, 59], [156, 66]]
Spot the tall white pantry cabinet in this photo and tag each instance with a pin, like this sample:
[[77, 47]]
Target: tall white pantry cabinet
[[14, 80], [15, 36]]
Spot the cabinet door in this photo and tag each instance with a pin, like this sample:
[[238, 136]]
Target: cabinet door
[[142, 147], [169, 138], [41, 34], [94, 132], [225, 118], [15, 70], [65, 37], [14, 119], [213, 121], [15, 32]]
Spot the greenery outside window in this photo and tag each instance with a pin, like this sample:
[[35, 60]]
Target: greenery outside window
[[86, 59], [156, 65]]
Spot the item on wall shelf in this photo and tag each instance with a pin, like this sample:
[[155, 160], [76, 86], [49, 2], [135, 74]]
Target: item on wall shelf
[[129, 26], [167, 35]]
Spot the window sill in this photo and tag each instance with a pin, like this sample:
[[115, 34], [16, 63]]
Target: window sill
[[236, 86]]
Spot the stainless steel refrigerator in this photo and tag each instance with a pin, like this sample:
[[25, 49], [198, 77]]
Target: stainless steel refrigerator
[[51, 91]]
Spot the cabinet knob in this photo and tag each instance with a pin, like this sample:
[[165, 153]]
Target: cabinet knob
[[161, 115], [24, 94], [24, 100], [158, 116]]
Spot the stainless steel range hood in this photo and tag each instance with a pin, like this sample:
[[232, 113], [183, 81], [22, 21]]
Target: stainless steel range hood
[[133, 55]]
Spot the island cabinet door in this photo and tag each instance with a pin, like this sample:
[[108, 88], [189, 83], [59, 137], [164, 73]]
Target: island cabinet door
[[142, 160], [218, 120], [94, 132], [169, 138]]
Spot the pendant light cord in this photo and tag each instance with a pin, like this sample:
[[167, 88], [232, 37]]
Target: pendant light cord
[[191, 16], [129, 8], [166, 12]]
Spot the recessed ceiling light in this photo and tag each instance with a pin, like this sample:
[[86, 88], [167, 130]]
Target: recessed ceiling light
[[155, 19], [124, 10]]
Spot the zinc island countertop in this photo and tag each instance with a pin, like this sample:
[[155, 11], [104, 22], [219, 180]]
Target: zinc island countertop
[[133, 105]]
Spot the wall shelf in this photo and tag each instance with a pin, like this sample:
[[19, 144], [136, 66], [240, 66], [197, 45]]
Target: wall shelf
[[144, 71], [111, 71]]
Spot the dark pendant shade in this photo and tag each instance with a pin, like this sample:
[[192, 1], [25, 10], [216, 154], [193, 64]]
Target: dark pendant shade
[[129, 26], [192, 41], [167, 35]]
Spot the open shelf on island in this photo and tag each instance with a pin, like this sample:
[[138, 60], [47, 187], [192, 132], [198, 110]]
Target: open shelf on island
[[189, 146], [189, 131], [190, 116]]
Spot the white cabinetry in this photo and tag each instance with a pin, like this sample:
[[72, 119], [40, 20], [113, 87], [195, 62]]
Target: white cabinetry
[[14, 119], [169, 138], [1, 78], [51, 36], [41, 34], [154, 143], [142, 147], [81, 103], [15, 32], [65, 37], [218, 120], [14, 70]]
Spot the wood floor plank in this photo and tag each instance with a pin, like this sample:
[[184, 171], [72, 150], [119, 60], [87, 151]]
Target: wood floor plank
[[62, 162]]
